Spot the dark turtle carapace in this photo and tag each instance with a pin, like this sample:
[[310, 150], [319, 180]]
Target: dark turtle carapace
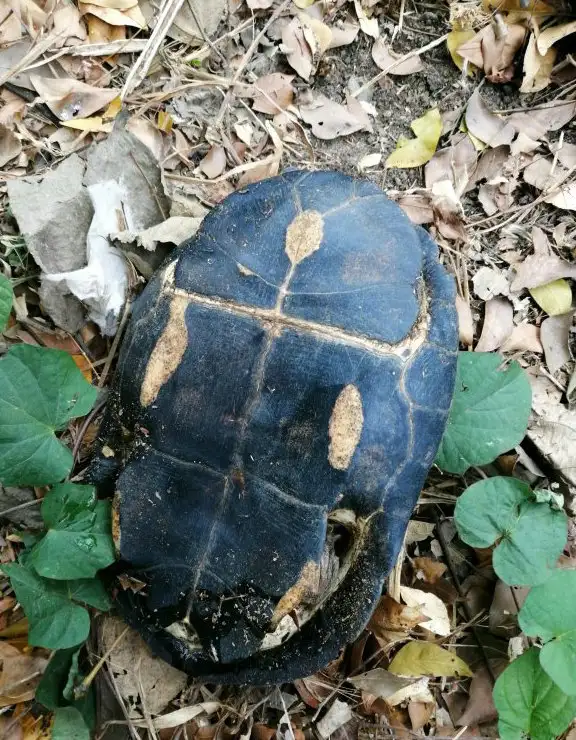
[[279, 399]]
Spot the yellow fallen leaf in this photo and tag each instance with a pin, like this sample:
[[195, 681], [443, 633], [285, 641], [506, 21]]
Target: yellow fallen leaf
[[453, 42], [531, 9], [555, 298], [165, 121], [95, 124], [427, 659], [418, 151], [303, 3], [113, 109]]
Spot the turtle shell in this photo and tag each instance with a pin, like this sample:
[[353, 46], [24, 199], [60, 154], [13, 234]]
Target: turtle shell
[[279, 399]]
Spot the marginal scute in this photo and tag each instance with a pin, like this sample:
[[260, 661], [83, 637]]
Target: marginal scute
[[116, 532], [345, 427], [304, 236], [167, 353], [306, 585]]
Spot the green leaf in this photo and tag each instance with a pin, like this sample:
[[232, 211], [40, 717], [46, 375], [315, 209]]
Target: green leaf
[[69, 725], [529, 703], [549, 612], [40, 391], [55, 621], [6, 297], [531, 535], [78, 542], [489, 412], [60, 670], [89, 591]]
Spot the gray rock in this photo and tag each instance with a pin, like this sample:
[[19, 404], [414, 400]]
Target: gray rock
[[54, 215], [65, 310], [29, 517]]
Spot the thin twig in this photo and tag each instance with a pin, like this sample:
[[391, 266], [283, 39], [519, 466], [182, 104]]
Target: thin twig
[[390, 67], [139, 71], [21, 506], [115, 343]]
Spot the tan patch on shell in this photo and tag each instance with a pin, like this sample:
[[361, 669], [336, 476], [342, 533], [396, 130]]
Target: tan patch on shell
[[345, 427], [168, 352], [304, 236], [306, 586]]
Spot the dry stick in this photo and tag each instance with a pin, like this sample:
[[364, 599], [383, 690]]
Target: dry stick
[[390, 67], [139, 71], [21, 506], [246, 59], [115, 344], [456, 580]]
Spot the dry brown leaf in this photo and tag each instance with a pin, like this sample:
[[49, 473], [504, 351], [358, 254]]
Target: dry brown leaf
[[465, 321], [392, 616], [417, 206], [541, 267], [259, 4], [537, 67], [330, 119], [68, 98], [67, 26], [20, 674], [455, 163], [523, 144], [272, 93], [214, 163], [551, 35], [567, 155], [485, 125], [379, 682], [493, 49], [10, 145], [146, 132], [431, 607], [368, 25], [384, 57], [10, 25], [524, 337], [498, 324], [548, 117], [431, 570], [343, 34], [304, 40], [480, 707], [565, 198], [130, 17], [448, 212], [420, 713], [136, 670], [555, 335]]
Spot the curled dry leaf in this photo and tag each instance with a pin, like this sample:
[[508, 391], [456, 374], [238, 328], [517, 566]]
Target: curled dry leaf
[[68, 98], [384, 58], [551, 35], [465, 321], [368, 25], [448, 213], [304, 40], [485, 125], [273, 93], [555, 335], [480, 706], [10, 145], [431, 607], [379, 682], [19, 675], [330, 119], [498, 324], [392, 616], [428, 569], [542, 267], [420, 713], [537, 67], [493, 49], [455, 163], [132, 17]]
